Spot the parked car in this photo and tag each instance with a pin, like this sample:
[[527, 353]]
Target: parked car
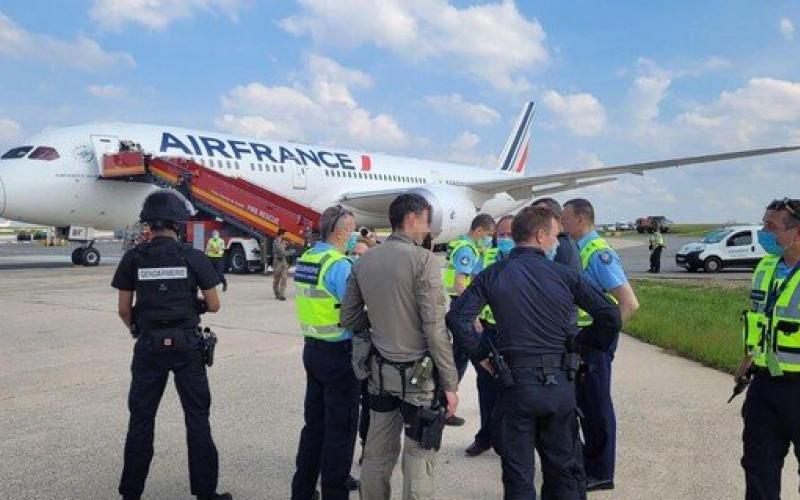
[[623, 226], [727, 247], [24, 236], [650, 223], [40, 234]]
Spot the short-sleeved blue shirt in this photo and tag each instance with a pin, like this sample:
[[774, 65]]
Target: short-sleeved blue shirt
[[605, 267], [335, 280], [465, 260]]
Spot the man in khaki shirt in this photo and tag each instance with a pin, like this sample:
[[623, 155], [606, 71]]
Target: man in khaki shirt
[[396, 291]]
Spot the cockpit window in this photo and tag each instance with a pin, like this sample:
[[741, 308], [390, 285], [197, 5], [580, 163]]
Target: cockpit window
[[45, 153], [16, 153]]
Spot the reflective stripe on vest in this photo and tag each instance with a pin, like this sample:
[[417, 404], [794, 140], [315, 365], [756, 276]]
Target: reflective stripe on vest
[[489, 258], [317, 308], [594, 246], [773, 340], [449, 273]]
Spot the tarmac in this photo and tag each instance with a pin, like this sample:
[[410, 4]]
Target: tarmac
[[64, 375]]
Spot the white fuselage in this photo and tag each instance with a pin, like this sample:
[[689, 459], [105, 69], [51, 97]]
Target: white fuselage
[[67, 190]]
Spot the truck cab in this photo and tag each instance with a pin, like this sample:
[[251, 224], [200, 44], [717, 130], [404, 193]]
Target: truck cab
[[726, 247]]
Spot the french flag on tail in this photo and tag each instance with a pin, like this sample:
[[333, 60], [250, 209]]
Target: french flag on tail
[[515, 153]]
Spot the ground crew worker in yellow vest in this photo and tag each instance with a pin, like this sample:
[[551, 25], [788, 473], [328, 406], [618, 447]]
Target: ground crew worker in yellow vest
[[463, 261], [657, 245], [603, 268], [215, 251], [771, 410], [332, 390], [487, 386]]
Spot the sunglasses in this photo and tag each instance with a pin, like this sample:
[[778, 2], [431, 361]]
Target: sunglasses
[[340, 212], [789, 204]]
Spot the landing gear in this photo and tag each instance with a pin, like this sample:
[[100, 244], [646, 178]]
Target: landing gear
[[87, 256]]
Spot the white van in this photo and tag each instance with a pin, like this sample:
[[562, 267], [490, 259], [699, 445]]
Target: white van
[[735, 246]]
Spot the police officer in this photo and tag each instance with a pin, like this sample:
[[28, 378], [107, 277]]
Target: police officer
[[462, 262], [532, 299], [215, 250], [603, 268], [656, 246], [396, 294], [772, 408], [327, 440], [567, 252], [487, 327], [164, 275]]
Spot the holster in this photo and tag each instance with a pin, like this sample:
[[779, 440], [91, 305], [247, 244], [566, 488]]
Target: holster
[[208, 343], [362, 350]]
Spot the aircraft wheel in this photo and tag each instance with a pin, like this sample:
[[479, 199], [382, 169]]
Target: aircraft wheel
[[77, 256], [91, 257]]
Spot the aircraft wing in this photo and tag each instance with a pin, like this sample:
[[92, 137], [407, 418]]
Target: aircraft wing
[[525, 187]]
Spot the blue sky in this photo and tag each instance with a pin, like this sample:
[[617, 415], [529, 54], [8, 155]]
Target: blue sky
[[614, 82]]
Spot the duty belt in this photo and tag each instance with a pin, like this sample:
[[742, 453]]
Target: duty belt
[[323, 345]]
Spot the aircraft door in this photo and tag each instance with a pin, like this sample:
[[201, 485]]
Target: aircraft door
[[104, 144], [299, 177]]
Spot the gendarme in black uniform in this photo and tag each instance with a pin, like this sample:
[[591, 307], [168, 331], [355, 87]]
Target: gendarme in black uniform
[[165, 276], [533, 299]]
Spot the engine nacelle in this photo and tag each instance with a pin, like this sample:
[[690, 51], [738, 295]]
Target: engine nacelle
[[452, 211]]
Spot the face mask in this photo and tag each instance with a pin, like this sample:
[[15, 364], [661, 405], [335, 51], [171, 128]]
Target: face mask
[[770, 243], [505, 245], [351, 244], [486, 242], [551, 254]]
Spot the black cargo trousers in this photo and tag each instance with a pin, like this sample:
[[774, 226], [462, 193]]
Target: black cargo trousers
[[150, 370]]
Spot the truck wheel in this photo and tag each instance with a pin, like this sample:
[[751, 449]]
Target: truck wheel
[[640, 230], [91, 257], [77, 256], [691, 269], [237, 260], [664, 229], [712, 265]]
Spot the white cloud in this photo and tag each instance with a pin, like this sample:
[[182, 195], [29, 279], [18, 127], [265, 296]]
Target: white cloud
[[83, 53], [581, 114], [453, 105], [157, 14], [10, 131], [108, 91], [786, 27], [464, 150], [493, 42], [764, 111], [319, 106]]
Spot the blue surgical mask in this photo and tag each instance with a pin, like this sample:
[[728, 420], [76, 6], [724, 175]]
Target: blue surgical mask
[[551, 254], [505, 245], [486, 242], [770, 243]]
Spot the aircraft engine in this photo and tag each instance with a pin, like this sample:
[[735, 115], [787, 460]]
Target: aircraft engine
[[452, 211]]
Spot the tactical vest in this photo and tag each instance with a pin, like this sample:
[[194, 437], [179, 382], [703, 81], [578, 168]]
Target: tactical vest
[[166, 288], [317, 308], [772, 325], [594, 246], [489, 258], [449, 275]]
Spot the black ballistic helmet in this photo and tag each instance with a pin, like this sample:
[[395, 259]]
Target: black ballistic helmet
[[164, 206]]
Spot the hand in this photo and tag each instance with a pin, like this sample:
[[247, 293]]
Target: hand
[[478, 326], [452, 402], [487, 366]]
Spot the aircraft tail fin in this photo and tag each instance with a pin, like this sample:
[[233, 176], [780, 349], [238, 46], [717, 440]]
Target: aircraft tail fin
[[515, 153]]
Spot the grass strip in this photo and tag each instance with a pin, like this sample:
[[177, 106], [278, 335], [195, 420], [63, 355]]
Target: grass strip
[[699, 321]]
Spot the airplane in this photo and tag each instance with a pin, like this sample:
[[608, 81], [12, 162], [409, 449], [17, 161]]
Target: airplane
[[53, 179]]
